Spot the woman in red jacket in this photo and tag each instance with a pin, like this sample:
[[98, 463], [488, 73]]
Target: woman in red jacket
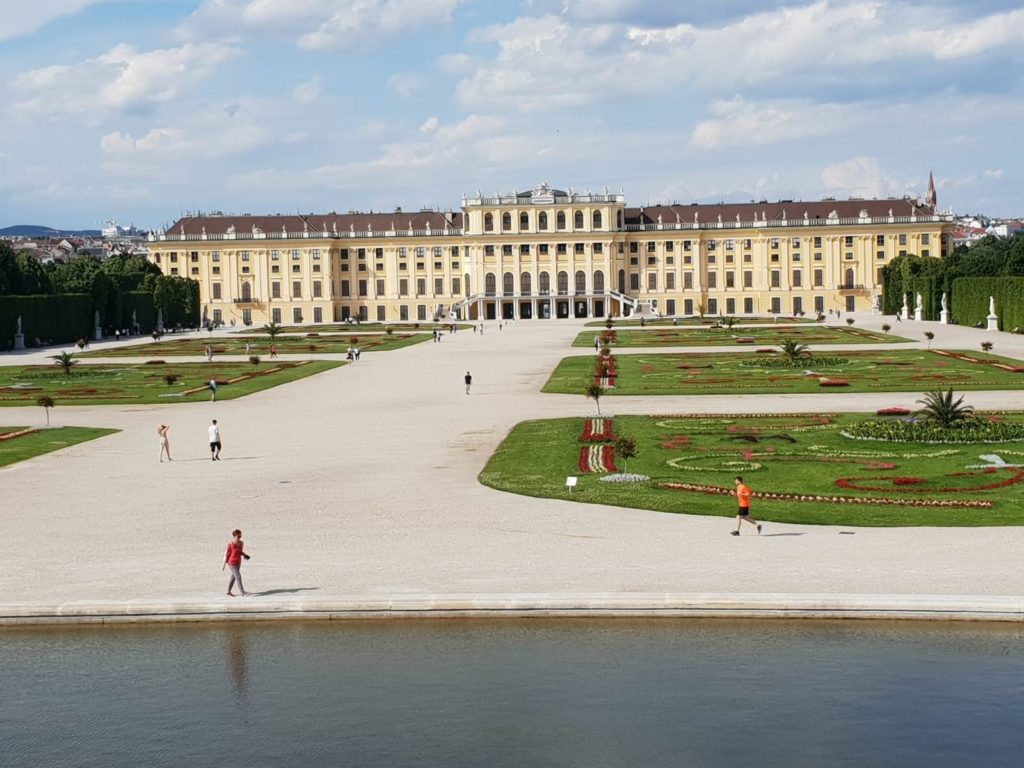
[[233, 561]]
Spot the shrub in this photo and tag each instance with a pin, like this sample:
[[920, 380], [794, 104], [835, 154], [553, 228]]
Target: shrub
[[899, 431], [986, 346], [155, 362], [850, 321], [802, 362], [886, 327], [46, 403], [389, 330], [929, 335], [355, 339], [171, 379], [254, 359]]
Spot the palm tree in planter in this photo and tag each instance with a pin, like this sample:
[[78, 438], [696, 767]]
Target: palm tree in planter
[[886, 327], [594, 392], [986, 346], [65, 360], [389, 330], [625, 449], [46, 403], [929, 335], [608, 323], [793, 350], [850, 321], [272, 330], [729, 321], [941, 409], [171, 379]]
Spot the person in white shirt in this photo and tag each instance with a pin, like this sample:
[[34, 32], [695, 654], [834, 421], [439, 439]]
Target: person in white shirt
[[214, 441]]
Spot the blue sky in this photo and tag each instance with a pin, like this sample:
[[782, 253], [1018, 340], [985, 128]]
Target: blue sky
[[138, 110]]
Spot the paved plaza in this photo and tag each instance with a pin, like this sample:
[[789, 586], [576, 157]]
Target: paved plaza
[[361, 483]]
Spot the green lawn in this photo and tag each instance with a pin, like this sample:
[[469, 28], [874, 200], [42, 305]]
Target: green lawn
[[349, 328], [43, 441], [725, 373], [129, 384], [260, 345], [766, 336], [705, 321], [802, 455]]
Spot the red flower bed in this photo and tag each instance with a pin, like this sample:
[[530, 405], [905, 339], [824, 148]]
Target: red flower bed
[[907, 480], [713, 490], [833, 383], [596, 458], [597, 430], [893, 411], [19, 433], [854, 483], [745, 341], [766, 351]]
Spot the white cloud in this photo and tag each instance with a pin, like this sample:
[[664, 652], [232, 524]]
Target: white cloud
[[405, 84], [992, 174], [22, 17], [122, 79], [741, 123], [430, 125], [315, 24], [309, 91], [862, 177]]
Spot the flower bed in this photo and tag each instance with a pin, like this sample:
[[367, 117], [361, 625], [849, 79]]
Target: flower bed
[[801, 363], [925, 432], [833, 383], [597, 431], [714, 490], [20, 433], [893, 411], [858, 483], [597, 458]]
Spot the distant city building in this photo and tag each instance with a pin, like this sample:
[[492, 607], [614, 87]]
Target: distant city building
[[549, 253]]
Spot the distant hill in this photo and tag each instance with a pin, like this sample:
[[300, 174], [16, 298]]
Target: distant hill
[[32, 230]]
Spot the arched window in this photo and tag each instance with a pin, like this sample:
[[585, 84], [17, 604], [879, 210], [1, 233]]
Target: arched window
[[599, 281], [525, 283], [508, 284], [465, 284], [581, 281], [488, 222], [490, 284], [849, 279], [563, 283], [577, 220], [246, 291], [622, 281], [524, 221], [597, 219], [506, 222], [545, 283], [542, 221], [560, 220]]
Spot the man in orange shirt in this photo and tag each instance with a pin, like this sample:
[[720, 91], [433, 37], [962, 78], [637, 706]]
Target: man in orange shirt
[[743, 497]]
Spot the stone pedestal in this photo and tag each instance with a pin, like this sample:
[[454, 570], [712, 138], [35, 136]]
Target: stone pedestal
[[944, 317], [19, 341], [97, 334], [993, 323]]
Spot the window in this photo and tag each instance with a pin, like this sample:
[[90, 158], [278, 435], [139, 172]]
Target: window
[[542, 221], [819, 278], [403, 312], [379, 253], [488, 250], [545, 283], [634, 281], [403, 252], [748, 244], [926, 252], [775, 243], [730, 279], [195, 270], [563, 283], [455, 251], [488, 222], [926, 239], [730, 306], [687, 245], [381, 314], [879, 239], [174, 270], [421, 311], [687, 281], [542, 249], [438, 251], [634, 247], [524, 221], [421, 286], [438, 265], [848, 241], [438, 286], [670, 306], [776, 305], [819, 304], [670, 246], [848, 256], [633, 260], [490, 284], [712, 279], [651, 246], [316, 253], [216, 290], [577, 220], [817, 242], [729, 244], [712, 245], [798, 305], [748, 306], [797, 279], [748, 279], [275, 315], [577, 248], [652, 281], [506, 222], [344, 268], [456, 286], [295, 254], [296, 315], [420, 252], [274, 256], [403, 286], [216, 270], [598, 247], [174, 257], [794, 257], [712, 306], [275, 290], [379, 285], [712, 258], [581, 281], [218, 316], [560, 220], [345, 288], [316, 267], [776, 278], [880, 254], [903, 252], [817, 256], [194, 256], [687, 306], [560, 248], [296, 268], [506, 250], [317, 289], [297, 289], [596, 220], [524, 250], [670, 281], [903, 239], [363, 287], [652, 260]]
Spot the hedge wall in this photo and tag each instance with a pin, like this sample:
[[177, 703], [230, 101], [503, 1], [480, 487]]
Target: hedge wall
[[931, 297], [59, 318], [970, 300], [145, 310]]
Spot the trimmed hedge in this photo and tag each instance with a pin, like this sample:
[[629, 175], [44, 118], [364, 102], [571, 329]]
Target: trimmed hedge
[[803, 362], [926, 432], [60, 318], [971, 295]]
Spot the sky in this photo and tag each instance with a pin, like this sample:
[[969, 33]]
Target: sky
[[138, 111]]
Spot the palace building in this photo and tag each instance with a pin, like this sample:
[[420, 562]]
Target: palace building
[[549, 253]]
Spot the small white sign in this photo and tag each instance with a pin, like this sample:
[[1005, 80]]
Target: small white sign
[[570, 482]]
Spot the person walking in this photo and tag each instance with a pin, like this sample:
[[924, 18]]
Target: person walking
[[233, 561], [469, 381], [209, 353], [165, 443], [214, 431], [213, 389], [743, 513], [273, 351]]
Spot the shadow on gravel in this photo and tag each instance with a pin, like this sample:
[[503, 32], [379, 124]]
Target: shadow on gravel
[[284, 591], [766, 535]]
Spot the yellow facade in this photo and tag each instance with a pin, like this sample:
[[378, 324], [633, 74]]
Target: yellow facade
[[548, 253]]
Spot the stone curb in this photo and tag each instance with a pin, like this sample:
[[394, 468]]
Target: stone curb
[[592, 605]]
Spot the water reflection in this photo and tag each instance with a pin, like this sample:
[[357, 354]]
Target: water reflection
[[238, 661]]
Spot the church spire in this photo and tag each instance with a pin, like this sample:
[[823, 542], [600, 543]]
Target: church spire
[[931, 199]]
